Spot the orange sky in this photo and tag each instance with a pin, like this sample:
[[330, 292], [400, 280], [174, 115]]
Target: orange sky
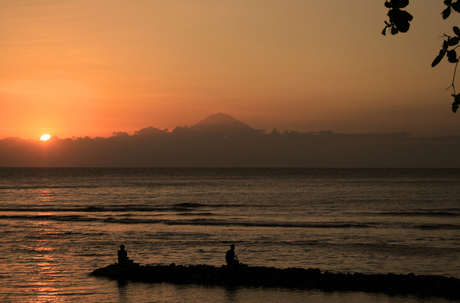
[[80, 68]]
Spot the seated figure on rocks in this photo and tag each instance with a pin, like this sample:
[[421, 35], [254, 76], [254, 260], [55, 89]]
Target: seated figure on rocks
[[231, 258], [123, 256]]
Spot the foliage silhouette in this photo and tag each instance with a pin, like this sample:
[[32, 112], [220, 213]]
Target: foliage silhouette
[[399, 19], [399, 22]]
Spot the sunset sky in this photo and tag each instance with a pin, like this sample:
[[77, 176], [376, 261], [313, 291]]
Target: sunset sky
[[78, 68]]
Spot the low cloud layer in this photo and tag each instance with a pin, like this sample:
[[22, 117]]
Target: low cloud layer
[[185, 147]]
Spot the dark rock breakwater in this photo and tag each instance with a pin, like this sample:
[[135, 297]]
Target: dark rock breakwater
[[299, 278]]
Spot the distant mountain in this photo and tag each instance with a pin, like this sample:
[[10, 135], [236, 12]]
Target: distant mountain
[[224, 125]]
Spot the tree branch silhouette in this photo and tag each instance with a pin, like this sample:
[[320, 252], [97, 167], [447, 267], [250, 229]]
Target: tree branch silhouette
[[399, 21]]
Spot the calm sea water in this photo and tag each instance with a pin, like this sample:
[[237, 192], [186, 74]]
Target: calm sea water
[[57, 225]]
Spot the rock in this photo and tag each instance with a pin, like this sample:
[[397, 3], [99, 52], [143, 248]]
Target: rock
[[298, 278]]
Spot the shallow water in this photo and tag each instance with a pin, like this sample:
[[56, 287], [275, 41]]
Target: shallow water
[[57, 225]]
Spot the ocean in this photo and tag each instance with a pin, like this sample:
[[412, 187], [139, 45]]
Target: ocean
[[59, 224]]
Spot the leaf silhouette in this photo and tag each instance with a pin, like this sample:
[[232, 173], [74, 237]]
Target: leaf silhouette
[[452, 56], [453, 41], [438, 58], [456, 103], [400, 19], [446, 13], [399, 3], [457, 31], [456, 6], [454, 107]]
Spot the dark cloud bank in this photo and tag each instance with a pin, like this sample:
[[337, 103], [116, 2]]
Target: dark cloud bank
[[222, 141]]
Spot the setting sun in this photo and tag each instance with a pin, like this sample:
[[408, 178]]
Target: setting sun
[[45, 137]]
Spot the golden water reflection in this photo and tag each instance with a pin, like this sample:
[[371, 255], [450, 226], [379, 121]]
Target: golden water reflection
[[45, 195], [45, 270]]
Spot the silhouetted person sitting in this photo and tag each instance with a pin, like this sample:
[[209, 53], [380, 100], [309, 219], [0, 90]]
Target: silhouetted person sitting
[[230, 257], [123, 256]]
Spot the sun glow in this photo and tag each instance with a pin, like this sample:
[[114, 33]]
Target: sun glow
[[45, 137]]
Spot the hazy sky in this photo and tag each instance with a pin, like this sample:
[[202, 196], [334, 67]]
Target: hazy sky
[[92, 67]]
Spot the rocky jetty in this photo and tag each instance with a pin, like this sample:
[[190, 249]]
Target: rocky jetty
[[299, 278]]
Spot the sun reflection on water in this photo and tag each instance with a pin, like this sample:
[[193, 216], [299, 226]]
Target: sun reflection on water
[[46, 275], [45, 195]]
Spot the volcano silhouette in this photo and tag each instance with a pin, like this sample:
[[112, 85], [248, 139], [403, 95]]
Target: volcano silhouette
[[224, 125]]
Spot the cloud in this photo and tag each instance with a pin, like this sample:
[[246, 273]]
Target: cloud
[[184, 147]]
